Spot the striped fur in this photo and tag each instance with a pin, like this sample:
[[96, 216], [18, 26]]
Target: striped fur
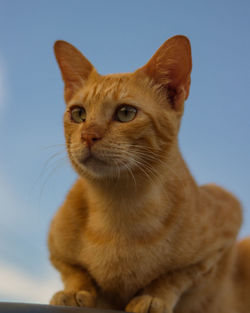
[[135, 231]]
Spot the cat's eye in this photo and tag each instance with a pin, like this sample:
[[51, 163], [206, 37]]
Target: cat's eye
[[78, 114], [125, 113]]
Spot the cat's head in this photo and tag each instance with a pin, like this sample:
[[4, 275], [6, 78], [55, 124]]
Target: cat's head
[[124, 124]]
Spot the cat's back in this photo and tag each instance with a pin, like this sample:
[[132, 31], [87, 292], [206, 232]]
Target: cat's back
[[241, 277], [213, 195], [216, 204]]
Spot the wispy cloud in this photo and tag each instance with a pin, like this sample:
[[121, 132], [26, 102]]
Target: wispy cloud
[[17, 285]]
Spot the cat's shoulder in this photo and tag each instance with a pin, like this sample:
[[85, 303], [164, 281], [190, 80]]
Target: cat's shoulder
[[219, 196]]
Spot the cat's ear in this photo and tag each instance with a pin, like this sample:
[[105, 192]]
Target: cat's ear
[[170, 67], [75, 68]]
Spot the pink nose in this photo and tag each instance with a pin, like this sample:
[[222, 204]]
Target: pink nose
[[90, 138]]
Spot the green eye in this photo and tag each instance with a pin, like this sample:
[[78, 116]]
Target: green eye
[[78, 114], [125, 113]]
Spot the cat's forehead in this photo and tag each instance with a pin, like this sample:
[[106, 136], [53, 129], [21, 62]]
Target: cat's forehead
[[104, 93], [101, 89]]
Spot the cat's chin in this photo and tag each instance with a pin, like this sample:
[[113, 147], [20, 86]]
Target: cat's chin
[[95, 167]]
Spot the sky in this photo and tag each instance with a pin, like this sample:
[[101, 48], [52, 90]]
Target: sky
[[116, 36]]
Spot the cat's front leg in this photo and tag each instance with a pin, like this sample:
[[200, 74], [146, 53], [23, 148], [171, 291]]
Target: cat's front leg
[[79, 288], [162, 294], [159, 297], [73, 298], [148, 304]]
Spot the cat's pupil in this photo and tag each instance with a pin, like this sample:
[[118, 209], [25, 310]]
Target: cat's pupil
[[125, 111]]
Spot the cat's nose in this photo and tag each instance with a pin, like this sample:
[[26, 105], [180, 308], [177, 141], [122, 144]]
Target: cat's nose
[[90, 138]]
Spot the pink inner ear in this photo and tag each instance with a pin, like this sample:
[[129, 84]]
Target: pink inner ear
[[171, 65]]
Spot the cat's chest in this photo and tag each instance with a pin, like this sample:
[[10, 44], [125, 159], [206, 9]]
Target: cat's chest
[[124, 265]]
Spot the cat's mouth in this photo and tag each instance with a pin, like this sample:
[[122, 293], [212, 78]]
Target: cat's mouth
[[93, 159], [98, 163]]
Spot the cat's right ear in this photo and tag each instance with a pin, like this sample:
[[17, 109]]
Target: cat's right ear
[[170, 67], [75, 68]]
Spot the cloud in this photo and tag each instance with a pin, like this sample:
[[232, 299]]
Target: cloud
[[17, 246], [19, 286]]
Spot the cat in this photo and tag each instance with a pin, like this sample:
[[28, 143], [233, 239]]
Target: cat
[[136, 232]]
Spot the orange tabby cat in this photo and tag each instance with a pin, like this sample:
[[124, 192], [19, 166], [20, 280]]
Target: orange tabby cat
[[136, 232]]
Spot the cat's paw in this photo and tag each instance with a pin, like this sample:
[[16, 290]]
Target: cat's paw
[[80, 298], [147, 304]]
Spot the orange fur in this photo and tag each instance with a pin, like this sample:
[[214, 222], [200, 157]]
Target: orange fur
[[135, 231]]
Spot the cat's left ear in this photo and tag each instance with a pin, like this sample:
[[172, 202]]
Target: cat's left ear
[[75, 68], [170, 67]]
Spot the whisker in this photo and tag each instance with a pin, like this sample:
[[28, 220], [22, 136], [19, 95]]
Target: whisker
[[53, 146], [144, 158], [130, 157], [53, 170], [46, 166], [147, 170], [151, 155], [131, 173]]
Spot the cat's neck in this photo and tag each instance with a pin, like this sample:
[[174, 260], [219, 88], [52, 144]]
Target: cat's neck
[[170, 184]]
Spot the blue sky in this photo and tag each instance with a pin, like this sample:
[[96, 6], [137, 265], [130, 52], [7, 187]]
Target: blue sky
[[116, 36]]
